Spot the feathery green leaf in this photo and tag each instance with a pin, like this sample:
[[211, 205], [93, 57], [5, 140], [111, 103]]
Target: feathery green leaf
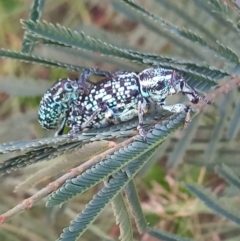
[[210, 152], [219, 6], [218, 205], [49, 148], [228, 174], [35, 15], [115, 162], [69, 38], [64, 163], [165, 236], [179, 150], [122, 218], [73, 39], [188, 19], [137, 16], [234, 126], [39, 60], [135, 206], [114, 186], [187, 34], [227, 53]]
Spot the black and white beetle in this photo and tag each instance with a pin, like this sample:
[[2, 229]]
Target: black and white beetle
[[119, 97]]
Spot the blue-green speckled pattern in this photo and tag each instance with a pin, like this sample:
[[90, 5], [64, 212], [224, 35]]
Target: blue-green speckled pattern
[[118, 97]]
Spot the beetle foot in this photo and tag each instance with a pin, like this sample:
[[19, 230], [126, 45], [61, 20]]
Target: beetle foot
[[188, 118], [142, 132]]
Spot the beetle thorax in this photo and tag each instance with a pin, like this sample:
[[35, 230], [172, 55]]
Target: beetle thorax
[[157, 84]]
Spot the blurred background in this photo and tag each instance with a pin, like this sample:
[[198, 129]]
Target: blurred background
[[212, 138]]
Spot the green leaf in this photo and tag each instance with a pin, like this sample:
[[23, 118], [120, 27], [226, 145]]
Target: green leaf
[[218, 48], [49, 148], [224, 109], [223, 23], [219, 7], [222, 9], [69, 38], [196, 71], [182, 33], [218, 205], [165, 236], [73, 39], [116, 162], [64, 163], [61, 36], [35, 15], [203, 68], [182, 14], [234, 126], [228, 174], [176, 156], [157, 155], [137, 16], [36, 10], [202, 71], [39, 60], [227, 53], [122, 218], [206, 70], [102, 199], [135, 207]]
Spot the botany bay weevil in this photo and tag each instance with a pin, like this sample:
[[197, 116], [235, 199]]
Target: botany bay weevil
[[119, 97]]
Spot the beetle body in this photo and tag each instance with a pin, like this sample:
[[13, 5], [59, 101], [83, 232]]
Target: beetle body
[[119, 97], [110, 101]]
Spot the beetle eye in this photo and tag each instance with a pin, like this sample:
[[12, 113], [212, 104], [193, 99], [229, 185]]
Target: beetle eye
[[68, 86]]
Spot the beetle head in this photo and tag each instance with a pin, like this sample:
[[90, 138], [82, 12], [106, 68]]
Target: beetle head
[[56, 103]]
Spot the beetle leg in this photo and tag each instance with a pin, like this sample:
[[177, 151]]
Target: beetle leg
[[83, 78], [77, 128], [90, 119], [142, 108], [177, 108], [192, 94], [61, 128]]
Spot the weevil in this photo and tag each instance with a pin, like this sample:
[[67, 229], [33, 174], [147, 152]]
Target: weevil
[[119, 97]]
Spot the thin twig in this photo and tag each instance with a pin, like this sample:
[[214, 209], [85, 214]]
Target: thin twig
[[51, 187], [223, 88]]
